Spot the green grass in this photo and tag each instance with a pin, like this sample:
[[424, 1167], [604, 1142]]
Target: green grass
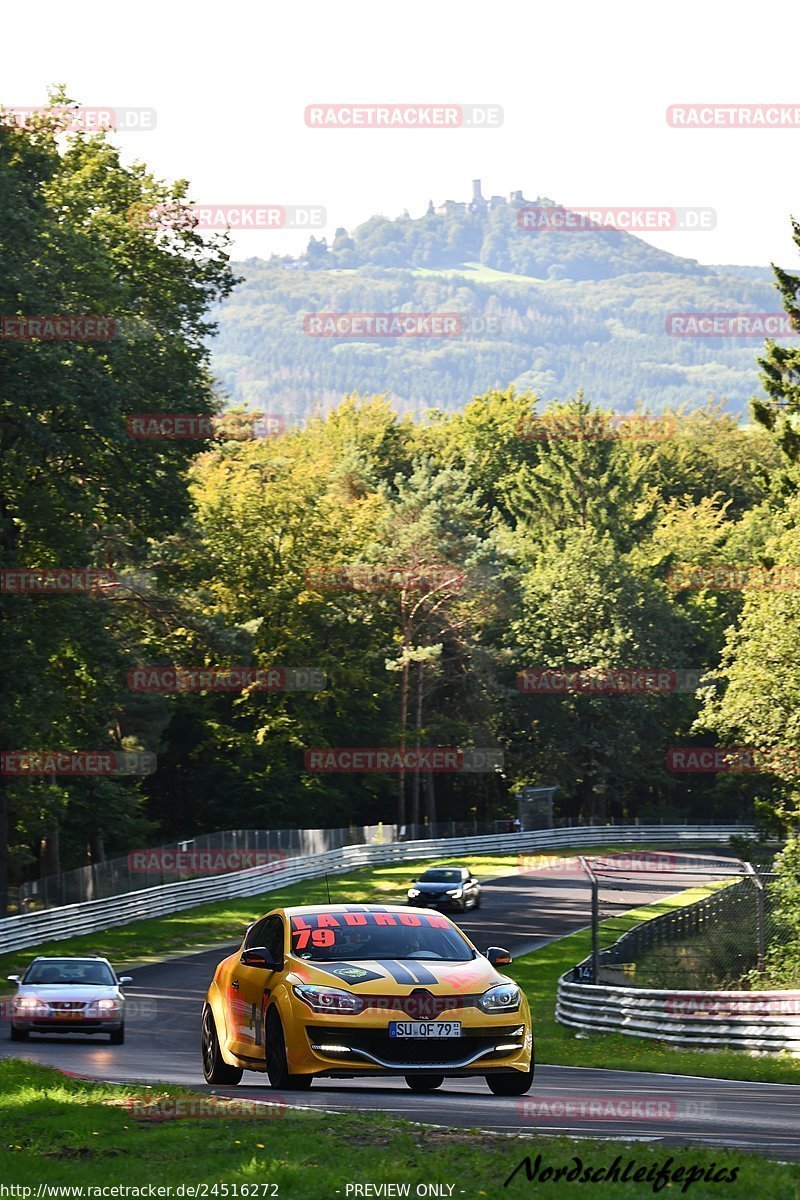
[[538, 974], [61, 1130]]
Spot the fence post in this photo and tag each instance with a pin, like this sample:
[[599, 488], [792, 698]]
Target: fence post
[[595, 919], [760, 898]]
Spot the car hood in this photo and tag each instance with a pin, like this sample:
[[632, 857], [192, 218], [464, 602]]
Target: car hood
[[75, 993], [400, 976]]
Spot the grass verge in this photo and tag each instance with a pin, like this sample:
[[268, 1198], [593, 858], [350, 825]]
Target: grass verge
[[66, 1131]]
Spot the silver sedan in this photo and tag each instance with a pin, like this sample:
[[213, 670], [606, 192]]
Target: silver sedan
[[69, 995]]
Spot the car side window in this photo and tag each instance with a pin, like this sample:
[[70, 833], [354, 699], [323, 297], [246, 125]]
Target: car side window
[[272, 935], [256, 935]]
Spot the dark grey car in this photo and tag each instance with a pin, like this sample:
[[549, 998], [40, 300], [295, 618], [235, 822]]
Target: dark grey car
[[445, 887]]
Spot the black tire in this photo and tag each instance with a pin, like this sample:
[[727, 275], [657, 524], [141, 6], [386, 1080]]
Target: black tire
[[118, 1036], [277, 1065], [424, 1083], [511, 1085], [215, 1069], [19, 1035], [477, 903]]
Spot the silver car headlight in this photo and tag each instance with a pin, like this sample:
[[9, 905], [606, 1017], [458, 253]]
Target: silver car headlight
[[413, 892], [503, 998], [28, 1006], [103, 1008], [454, 892]]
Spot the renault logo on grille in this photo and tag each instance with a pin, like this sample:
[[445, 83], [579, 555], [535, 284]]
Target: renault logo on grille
[[421, 1005]]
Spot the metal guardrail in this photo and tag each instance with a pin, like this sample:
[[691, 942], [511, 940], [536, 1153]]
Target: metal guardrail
[[765, 1021], [55, 924]]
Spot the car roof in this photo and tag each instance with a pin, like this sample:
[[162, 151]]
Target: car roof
[[299, 909], [69, 958], [447, 867]]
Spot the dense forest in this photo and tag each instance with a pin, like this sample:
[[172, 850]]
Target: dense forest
[[521, 533]]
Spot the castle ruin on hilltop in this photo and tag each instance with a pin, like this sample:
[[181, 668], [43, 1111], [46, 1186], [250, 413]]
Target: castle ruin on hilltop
[[479, 204]]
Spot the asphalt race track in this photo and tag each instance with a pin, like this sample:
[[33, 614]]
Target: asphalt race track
[[520, 913]]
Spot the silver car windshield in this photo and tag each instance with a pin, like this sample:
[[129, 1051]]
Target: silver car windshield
[[86, 972]]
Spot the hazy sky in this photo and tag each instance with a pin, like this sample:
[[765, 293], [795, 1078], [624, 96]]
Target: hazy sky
[[584, 89]]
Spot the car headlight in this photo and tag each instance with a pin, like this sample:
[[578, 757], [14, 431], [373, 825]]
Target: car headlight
[[29, 1005], [102, 1008], [454, 892], [503, 998], [413, 892], [325, 999]]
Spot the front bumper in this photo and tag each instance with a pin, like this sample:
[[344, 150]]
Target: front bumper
[[68, 1023], [436, 901], [342, 1048]]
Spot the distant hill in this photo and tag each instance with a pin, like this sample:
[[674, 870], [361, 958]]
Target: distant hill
[[547, 310]]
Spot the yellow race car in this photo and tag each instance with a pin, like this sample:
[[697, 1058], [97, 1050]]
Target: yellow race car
[[346, 990]]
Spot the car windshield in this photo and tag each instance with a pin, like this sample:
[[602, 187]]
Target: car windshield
[[441, 876], [331, 937], [86, 972]]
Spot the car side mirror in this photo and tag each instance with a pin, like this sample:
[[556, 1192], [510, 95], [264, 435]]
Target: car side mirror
[[260, 957], [13, 978], [498, 957], [125, 979]]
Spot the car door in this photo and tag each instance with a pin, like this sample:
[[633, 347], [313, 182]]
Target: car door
[[252, 986]]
